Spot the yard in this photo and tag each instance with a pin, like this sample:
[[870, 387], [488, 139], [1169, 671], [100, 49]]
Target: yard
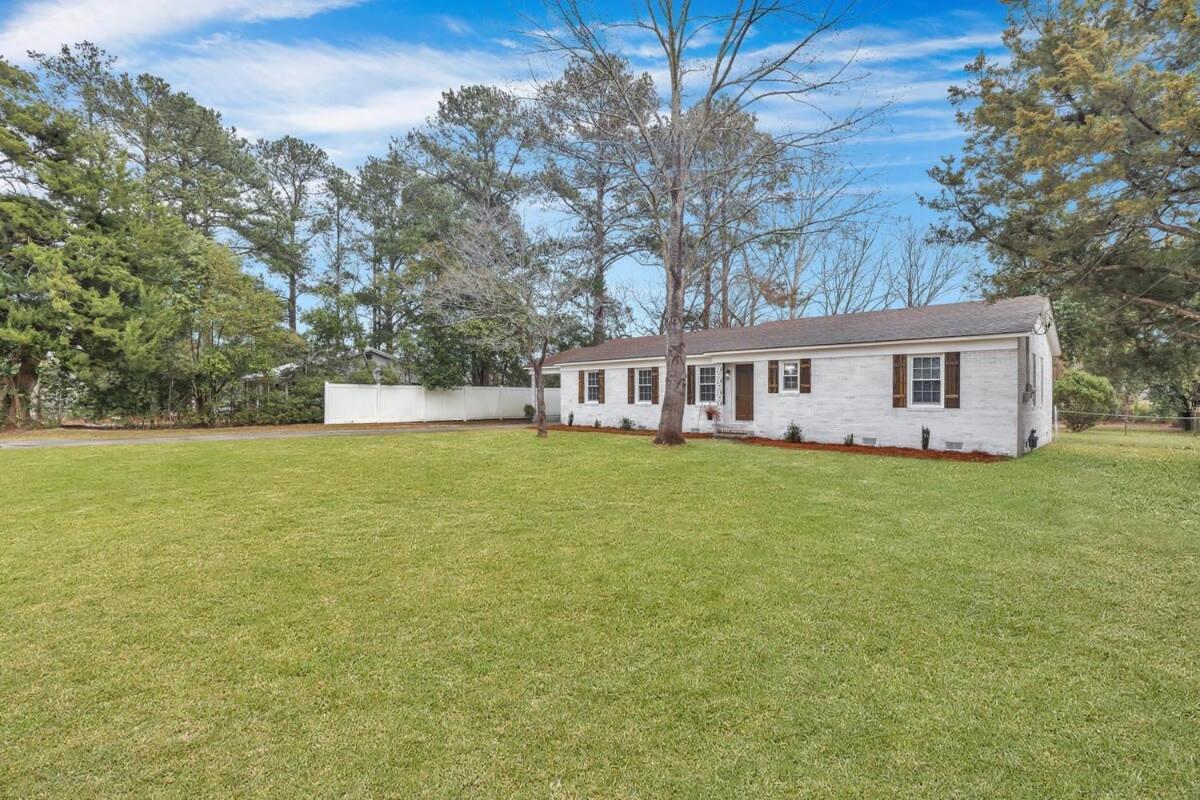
[[483, 614]]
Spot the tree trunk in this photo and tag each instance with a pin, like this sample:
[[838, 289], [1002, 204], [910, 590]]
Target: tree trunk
[[706, 313], [599, 293], [292, 302], [539, 391], [18, 389], [670, 421]]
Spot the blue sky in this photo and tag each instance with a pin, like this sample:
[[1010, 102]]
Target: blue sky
[[351, 74]]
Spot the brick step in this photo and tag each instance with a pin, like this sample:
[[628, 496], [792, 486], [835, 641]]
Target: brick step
[[728, 431]]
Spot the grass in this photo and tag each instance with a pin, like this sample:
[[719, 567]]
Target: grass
[[482, 614]]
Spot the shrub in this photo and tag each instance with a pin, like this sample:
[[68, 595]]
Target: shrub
[[303, 402], [626, 424], [924, 438], [530, 411], [1085, 396], [596, 424], [793, 433], [849, 440], [571, 419], [1142, 408]]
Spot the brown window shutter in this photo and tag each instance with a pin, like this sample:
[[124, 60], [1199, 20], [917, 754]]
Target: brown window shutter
[[952, 380], [806, 376], [630, 380], [899, 381], [772, 377], [582, 379], [654, 385], [691, 385], [600, 373]]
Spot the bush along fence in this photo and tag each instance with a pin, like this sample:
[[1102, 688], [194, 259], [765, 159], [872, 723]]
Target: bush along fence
[[347, 403], [1078, 420]]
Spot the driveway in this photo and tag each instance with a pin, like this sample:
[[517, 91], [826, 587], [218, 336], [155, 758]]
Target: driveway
[[87, 437]]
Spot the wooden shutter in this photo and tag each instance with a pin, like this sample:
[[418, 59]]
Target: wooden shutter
[[691, 385], [630, 385], [952, 380], [600, 380], [805, 376], [899, 381], [582, 380], [772, 377], [654, 386]]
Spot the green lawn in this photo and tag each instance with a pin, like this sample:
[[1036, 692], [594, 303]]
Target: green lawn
[[483, 614]]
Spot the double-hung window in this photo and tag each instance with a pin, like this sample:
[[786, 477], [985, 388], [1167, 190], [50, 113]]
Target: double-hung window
[[645, 386], [593, 387], [791, 376], [927, 380], [708, 384]]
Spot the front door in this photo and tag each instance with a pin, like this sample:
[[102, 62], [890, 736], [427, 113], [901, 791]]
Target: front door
[[743, 393]]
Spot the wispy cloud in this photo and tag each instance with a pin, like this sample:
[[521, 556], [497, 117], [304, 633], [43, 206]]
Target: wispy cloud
[[457, 26], [349, 99], [44, 25]]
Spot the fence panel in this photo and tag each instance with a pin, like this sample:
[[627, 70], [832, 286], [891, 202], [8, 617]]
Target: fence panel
[[366, 403]]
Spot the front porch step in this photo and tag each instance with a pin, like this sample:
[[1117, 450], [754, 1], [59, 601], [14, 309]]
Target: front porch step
[[736, 430]]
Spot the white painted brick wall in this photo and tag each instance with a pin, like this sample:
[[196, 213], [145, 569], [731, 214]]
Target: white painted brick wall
[[1039, 412], [850, 394], [853, 395], [615, 406]]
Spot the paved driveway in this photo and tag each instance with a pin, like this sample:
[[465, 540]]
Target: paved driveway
[[88, 438]]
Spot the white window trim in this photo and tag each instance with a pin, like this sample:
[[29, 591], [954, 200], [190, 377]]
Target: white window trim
[[637, 386], [699, 383], [912, 365], [587, 373], [782, 389]]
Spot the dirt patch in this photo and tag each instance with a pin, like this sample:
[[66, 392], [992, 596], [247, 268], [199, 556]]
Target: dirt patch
[[903, 452], [634, 432]]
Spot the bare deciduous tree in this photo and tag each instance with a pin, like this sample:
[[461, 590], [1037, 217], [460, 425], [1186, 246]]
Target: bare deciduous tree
[[730, 79], [851, 274], [823, 204], [520, 282], [924, 269]]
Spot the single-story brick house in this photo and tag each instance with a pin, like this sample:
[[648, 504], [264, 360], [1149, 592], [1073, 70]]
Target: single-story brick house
[[978, 375]]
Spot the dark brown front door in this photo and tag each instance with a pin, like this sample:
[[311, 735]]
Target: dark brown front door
[[743, 394]]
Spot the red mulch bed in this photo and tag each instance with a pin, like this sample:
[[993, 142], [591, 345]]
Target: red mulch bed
[[635, 432], [902, 452]]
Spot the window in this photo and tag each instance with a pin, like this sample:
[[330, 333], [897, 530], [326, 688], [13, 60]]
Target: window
[[593, 387], [645, 386], [791, 376], [927, 380], [708, 384]]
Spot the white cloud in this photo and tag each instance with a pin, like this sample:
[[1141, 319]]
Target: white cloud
[[350, 100], [44, 25]]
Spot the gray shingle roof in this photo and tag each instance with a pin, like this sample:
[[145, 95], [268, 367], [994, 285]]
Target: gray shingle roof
[[978, 318]]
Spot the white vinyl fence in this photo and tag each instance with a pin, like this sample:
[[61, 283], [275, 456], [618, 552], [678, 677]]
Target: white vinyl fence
[[357, 402]]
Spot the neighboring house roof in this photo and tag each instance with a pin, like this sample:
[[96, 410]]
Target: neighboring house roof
[[953, 320], [373, 351]]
